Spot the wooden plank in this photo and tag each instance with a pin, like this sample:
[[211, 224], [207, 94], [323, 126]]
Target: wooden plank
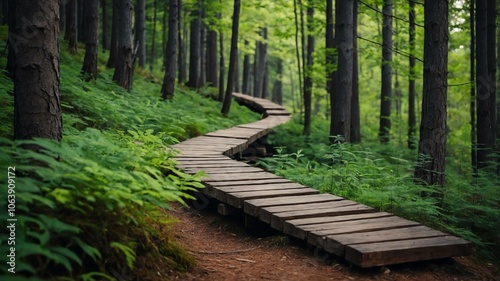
[[316, 232], [245, 182], [252, 207], [237, 198], [278, 219], [228, 170], [336, 243], [260, 187], [239, 177], [265, 213], [293, 227], [384, 253]]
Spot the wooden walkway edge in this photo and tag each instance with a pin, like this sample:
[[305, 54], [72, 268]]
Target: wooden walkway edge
[[356, 232]]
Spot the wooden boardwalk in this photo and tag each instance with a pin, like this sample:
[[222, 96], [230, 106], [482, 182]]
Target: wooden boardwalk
[[356, 232]]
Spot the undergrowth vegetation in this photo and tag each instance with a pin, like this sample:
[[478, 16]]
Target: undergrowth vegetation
[[381, 176], [93, 206]]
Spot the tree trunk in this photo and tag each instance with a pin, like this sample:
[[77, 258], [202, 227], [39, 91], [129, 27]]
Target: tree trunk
[[265, 80], [37, 102], [181, 41], [237, 87], [412, 122], [194, 48], [140, 30], [483, 99], [386, 97], [221, 66], [246, 72], [211, 65], [341, 115], [260, 67], [171, 54], [331, 73], [472, 59], [203, 60], [81, 21], [355, 119], [298, 49], [91, 39], [232, 59], [164, 30], [104, 25], [432, 142], [278, 84], [115, 29], [123, 69], [308, 71], [62, 14], [153, 40], [13, 41], [71, 26], [492, 67]]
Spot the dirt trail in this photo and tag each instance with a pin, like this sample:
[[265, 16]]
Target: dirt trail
[[224, 252]]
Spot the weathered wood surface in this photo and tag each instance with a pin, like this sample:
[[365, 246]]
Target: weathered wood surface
[[345, 228]]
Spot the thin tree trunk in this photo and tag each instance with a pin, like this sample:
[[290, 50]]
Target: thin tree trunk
[[246, 72], [91, 39], [153, 40], [171, 55], [203, 33], [386, 96], [81, 21], [72, 23], [104, 25], [278, 84], [164, 28], [330, 61], [260, 64], [432, 144], [412, 122], [194, 48], [341, 115], [140, 30], [355, 115], [37, 101], [232, 59], [123, 69], [183, 41], [211, 69], [473, 88], [237, 87], [221, 66], [115, 29], [483, 99], [308, 71], [492, 67], [13, 41], [265, 80], [297, 50], [62, 14]]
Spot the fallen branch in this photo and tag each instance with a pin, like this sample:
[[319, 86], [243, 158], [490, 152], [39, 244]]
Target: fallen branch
[[226, 252]]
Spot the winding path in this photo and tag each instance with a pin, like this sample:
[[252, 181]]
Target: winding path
[[356, 232]]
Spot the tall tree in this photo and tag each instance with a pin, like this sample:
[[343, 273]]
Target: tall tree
[[432, 143], [91, 38], [412, 121], [37, 101], [472, 60], [211, 63], [221, 67], [483, 98], [341, 104], [104, 8], [260, 63], [113, 45], [308, 70], [233, 56], [171, 54], [153, 40], [80, 21], [492, 67], [71, 25], [140, 29], [195, 47], [386, 93], [278, 84], [11, 56], [123, 69], [355, 115], [181, 53], [331, 73], [245, 85]]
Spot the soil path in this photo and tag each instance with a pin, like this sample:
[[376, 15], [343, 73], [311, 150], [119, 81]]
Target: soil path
[[223, 251]]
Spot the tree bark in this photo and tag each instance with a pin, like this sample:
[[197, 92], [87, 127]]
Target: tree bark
[[221, 67], [91, 39], [171, 54], [432, 144], [260, 64], [246, 72], [308, 71], [472, 60], [412, 122], [483, 97], [492, 67], [278, 84], [140, 30], [232, 59], [62, 14], [113, 46], [123, 69], [37, 102], [298, 49], [211, 65], [386, 96], [81, 21], [153, 40], [194, 48], [355, 115], [331, 73], [341, 115], [104, 8], [181, 42], [13, 41], [71, 26]]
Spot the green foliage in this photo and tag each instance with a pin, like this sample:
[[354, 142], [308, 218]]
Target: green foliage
[[381, 176]]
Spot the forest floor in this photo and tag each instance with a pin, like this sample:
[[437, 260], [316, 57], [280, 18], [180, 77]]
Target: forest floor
[[223, 251]]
